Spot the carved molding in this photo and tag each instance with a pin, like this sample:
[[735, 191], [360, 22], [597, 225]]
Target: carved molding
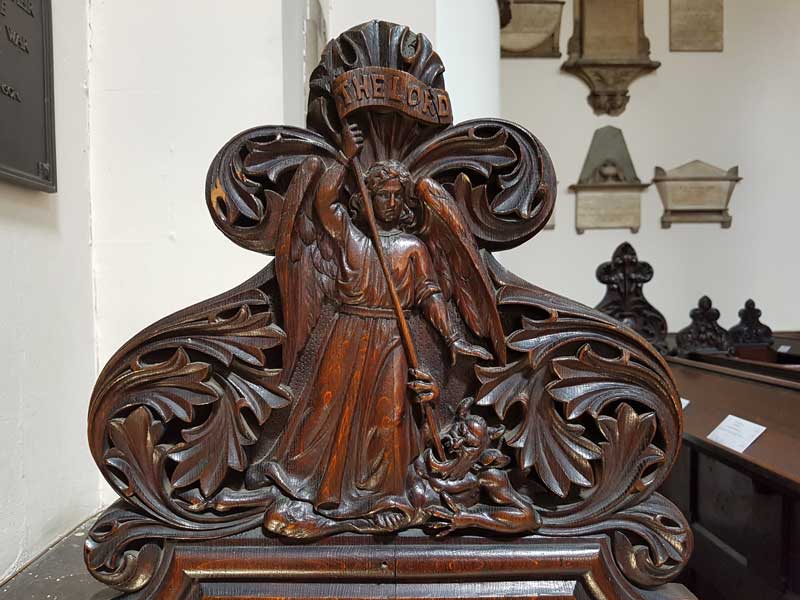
[[750, 330], [703, 334], [247, 414], [624, 275], [608, 50]]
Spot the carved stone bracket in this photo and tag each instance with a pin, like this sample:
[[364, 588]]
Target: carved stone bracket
[[384, 373], [704, 334], [624, 275], [750, 330], [608, 50]]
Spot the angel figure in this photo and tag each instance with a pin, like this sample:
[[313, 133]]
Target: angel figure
[[343, 460]]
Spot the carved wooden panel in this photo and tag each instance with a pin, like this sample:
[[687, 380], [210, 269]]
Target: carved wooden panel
[[384, 373]]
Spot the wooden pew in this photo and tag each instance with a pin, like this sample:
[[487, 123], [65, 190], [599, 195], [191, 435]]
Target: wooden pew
[[744, 507]]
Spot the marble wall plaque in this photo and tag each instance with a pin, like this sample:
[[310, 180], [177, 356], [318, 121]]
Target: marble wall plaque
[[696, 25], [696, 192], [608, 209], [534, 30], [608, 192]]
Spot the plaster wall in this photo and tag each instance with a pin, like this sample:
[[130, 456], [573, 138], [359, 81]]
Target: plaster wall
[[170, 84], [468, 40], [731, 108], [420, 15], [47, 351]]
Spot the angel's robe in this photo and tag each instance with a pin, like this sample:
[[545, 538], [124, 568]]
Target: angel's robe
[[351, 436]]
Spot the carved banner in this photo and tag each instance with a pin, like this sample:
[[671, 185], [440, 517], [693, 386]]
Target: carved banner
[[390, 88]]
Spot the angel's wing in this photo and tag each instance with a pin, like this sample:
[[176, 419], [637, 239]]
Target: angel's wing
[[305, 265], [457, 260]]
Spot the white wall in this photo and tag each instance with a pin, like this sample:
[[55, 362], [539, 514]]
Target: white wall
[[160, 111], [468, 40], [419, 15], [47, 352], [732, 108]]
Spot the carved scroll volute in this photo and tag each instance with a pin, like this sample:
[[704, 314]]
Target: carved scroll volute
[[224, 417]]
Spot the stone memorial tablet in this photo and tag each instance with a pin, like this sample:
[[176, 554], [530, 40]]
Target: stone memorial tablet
[[696, 25], [27, 136], [608, 193], [534, 29], [696, 192]]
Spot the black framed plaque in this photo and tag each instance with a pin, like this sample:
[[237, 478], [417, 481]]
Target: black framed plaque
[[27, 125]]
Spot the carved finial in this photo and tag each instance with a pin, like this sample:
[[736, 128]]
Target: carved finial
[[704, 334], [750, 330], [624, 276]]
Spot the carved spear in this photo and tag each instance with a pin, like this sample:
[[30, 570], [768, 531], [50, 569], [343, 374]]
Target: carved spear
[[405, 332]]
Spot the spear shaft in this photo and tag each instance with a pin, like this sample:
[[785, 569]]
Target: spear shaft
[[405, 332]]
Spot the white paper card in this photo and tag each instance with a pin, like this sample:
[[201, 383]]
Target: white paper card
[[735, 433], [684, 403], [784, 349]]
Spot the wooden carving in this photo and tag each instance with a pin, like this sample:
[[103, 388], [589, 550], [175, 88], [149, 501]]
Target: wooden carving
[[750, 330], [384, 372], [704, 334], [624, 275]]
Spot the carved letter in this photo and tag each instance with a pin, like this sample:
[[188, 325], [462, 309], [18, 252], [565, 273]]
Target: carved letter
[[378, 82], [414, 94], [443, 105], [362, 88], [395, 93], [427, 106]]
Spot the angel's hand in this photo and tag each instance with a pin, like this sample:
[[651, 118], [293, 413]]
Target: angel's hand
[[462, 347], [423, 385], [352, 140]]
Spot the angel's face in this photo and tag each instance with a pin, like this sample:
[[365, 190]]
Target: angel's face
[[388, 201]]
